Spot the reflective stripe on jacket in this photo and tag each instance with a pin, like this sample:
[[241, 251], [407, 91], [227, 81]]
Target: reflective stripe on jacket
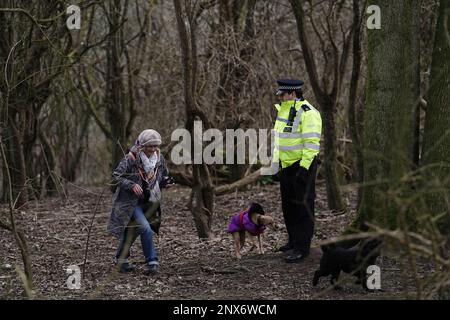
[[297, 138]]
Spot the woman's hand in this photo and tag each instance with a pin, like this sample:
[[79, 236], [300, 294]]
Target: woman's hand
[[167, 182], [138, 190]]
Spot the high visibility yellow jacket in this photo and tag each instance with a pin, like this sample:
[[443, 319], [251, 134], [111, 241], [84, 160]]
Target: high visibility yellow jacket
[[298, 128]]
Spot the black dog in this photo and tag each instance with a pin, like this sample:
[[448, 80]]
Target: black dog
[[353, 260]]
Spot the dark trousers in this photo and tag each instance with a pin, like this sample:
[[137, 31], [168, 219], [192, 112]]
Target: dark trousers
[[297, 199]]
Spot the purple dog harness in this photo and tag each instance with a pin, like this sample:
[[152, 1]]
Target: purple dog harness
[[241, 222]]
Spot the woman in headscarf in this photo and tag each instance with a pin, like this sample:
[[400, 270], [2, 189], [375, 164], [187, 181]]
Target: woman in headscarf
[[136, 210]]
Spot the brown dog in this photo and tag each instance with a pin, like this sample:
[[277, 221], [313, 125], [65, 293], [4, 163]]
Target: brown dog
[[250, 224]]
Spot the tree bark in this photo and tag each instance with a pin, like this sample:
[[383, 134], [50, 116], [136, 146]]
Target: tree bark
[[436, 148], [354, 117], [391, 101], [335, 200], [114, 84]]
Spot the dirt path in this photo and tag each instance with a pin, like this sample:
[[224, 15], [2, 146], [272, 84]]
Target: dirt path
[[190, 269]]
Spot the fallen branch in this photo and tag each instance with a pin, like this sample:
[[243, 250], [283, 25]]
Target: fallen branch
[[238, 184]]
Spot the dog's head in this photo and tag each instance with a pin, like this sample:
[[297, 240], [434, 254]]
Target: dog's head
[[266, 221], [256, 208]]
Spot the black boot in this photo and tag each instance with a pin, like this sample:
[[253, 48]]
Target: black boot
[[296, 257], [151, 269], [125, 267], [286, 247]]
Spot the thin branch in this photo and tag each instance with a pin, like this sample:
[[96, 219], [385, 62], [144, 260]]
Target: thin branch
[[6, 64], [304, 42], [34, 20], [89, 230]]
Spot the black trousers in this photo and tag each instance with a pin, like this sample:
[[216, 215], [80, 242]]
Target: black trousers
[[297, 199]]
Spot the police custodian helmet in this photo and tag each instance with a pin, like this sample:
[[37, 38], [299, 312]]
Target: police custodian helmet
[[288, 85]]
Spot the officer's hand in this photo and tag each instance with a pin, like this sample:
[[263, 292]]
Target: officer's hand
[[302, 175], [138, 190]]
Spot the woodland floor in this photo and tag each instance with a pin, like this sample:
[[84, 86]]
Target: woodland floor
[[57, 229]]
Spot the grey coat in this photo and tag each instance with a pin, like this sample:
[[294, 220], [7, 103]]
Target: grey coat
[[126, 175]]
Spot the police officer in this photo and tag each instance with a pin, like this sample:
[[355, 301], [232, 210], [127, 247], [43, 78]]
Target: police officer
[[298, 129]]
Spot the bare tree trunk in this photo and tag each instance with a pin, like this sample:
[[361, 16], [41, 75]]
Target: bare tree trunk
[[436, 148], [18, 235], [355, 117], [114, 83], [391, 101], [335, 200], [202, 205], [415, 81], [326, 97], [202, 196]]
